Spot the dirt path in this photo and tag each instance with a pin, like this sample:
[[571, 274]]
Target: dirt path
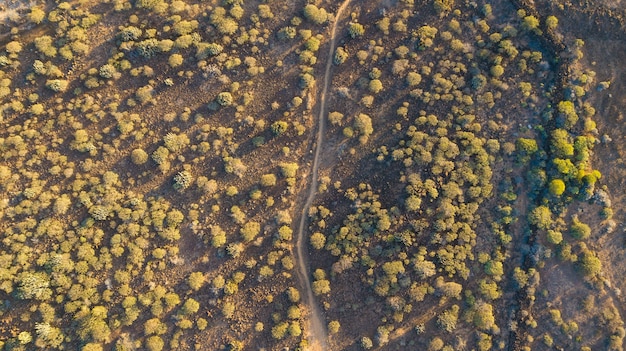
[[317, 334]]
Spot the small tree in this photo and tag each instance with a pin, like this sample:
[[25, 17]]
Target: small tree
[[196, 280], [318, 240]]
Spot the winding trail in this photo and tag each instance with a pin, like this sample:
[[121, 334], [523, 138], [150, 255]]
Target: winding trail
[[317, 333]]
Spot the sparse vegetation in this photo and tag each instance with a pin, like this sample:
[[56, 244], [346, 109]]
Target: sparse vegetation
[[156, 157]]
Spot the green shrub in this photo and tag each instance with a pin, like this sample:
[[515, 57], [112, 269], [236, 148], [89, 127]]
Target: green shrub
[[144, 94], [315, 14], [36, 15], [92, 346], [443, 6], [289, 169], [190, 307], [497, 71], [530, 23], [57, 85], [129, 33], [204, 50], [483, 316], [448, 319], [426, 35], [160, 155], [541, 217], [306, 80], [560, 144], [154, 343], [366, 343], [175, 60], [268, 180], [557, 187], [293, 294], [355, 30], [436, 344], [34, 286], [224, 99], [321, 287], [13, 47], [139, 156], [44, 45], [318, 240], [333, 327], [148, 48], [375, 86], [287, 33], [182, 180], [579, 230], [312, 44], [108, 71], [554, 237], [154, 326], [552, 22], [294, 312], [279, 127], [265, 11], [250, 230], [279, 331], [413, 79], [567, 112], [341, 55], [196, 280], [363, 125]]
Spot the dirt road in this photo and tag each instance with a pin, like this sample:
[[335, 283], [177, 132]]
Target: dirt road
[[317, 334]]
